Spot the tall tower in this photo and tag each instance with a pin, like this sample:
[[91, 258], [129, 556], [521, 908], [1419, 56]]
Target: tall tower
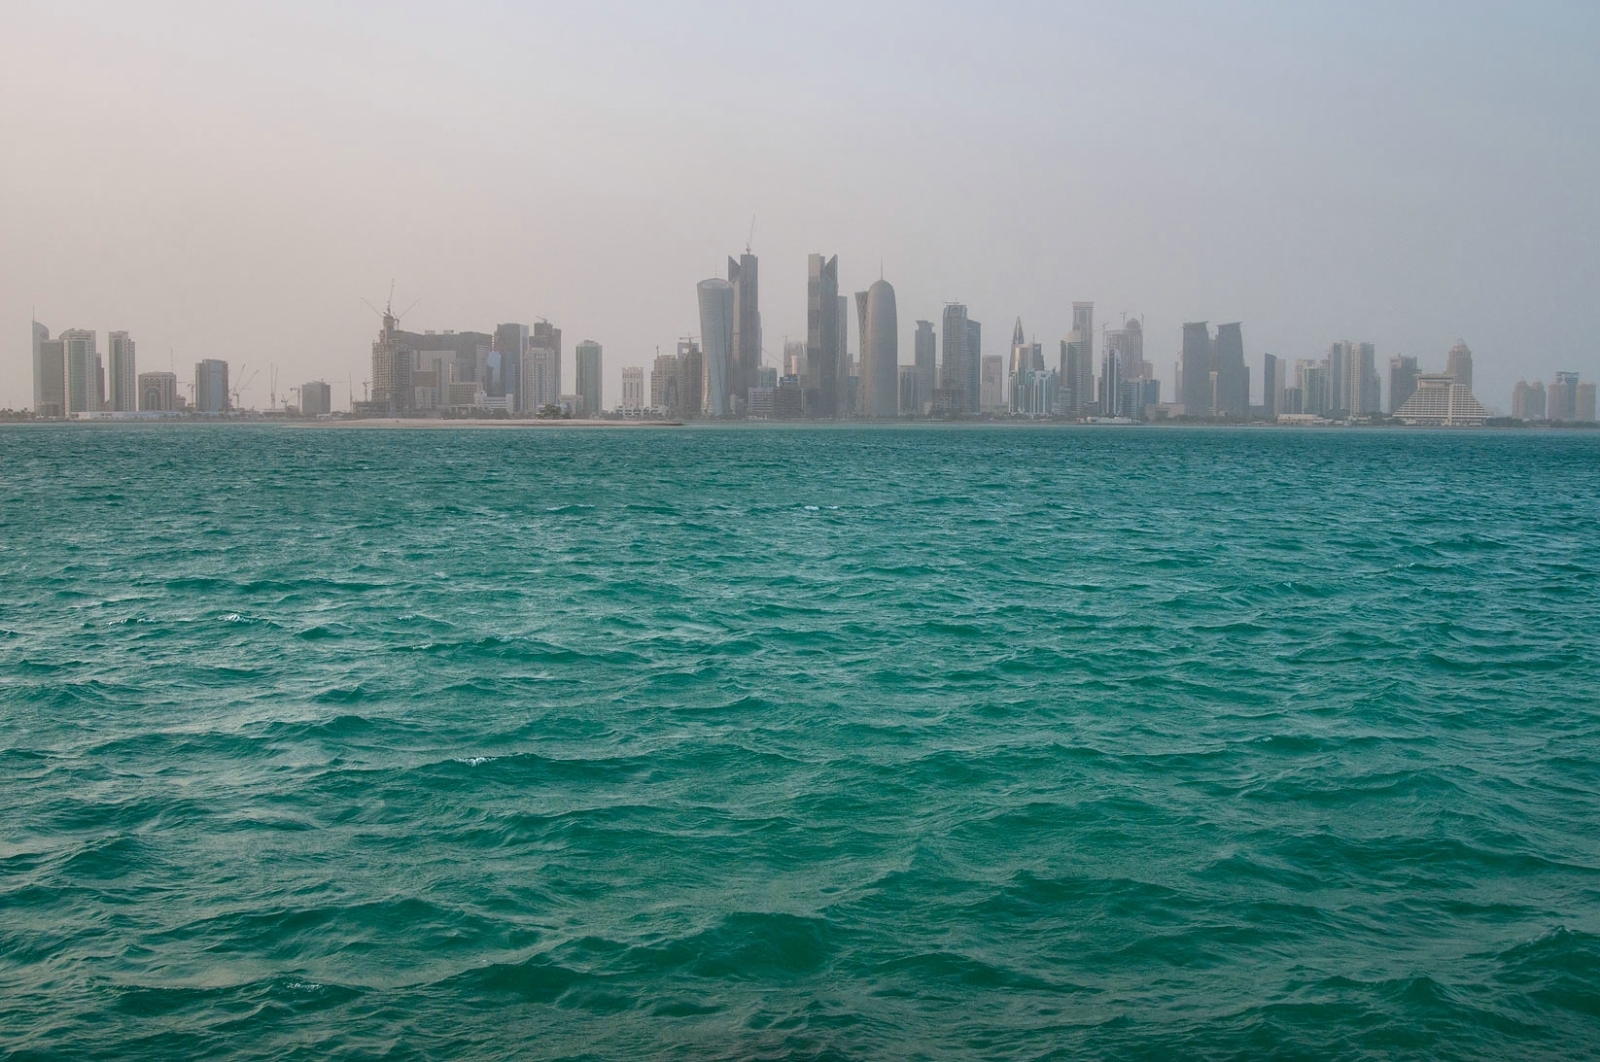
[[956, 375], [547, 336], [1402, 381], [511, 343], [83, 371], [122, 377], [1459, 364], [716, 341], [822, 336], [926, 359], [745, 277], [880, 353], [1233, 378], [1197, 364], [590, 398]]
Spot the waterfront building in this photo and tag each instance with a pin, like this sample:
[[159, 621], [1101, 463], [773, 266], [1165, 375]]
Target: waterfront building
[[716, 339], [1360, 389], [1232, 388], [880, 352], [316, 399], [590, 397], [539, 378], [1402, 381], [992, 384], [910, 378], [1585, 412], [83, 376], [959, 374], [745, 277], [1440, 401], [1110, 399], [211, 386], [794, 358], [1528, 400], [1034, 392], [691, 380], [1138, 396], [925, 360], [49, 373], [1459, 364], [546, 336], [122, 378], [664, 383], [1216, 382], [759, 401], [1196, 369], [632, 390], [157, 392], [788, 400], [823, 322], [511, 343], [1076, 378], [1562, 398], [1271, 387]]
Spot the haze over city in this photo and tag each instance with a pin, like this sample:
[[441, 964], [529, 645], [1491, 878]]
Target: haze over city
[[229, 182]]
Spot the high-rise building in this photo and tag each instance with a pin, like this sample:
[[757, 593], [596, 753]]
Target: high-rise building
[[794, 358], [316, 399], [211, 386], [1271, 386], [1360, 392], [958, 375], [1034, 393], [1077, 362], [716, 341], [745, 277], [691, 379], [1459, 364], [1123, 364], [539, 379], [925, 359], [823, 323], [122, 377], [49, 374], [845, 387], [1561, 401], [1110, 398], [1233, 378], [1440, 401], [975, 363], [1585, 403], [632, 390], [83, 371], [1527, 400], [1198, 367], [664, 383], [158, 392], [590, 398], [910, 390], [992, 397], [1402, 380], [511, 343], [880, 353]]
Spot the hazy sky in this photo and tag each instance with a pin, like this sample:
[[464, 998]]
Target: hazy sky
[[229, 180]]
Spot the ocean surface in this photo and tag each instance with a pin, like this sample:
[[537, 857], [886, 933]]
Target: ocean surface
[[837, 743]]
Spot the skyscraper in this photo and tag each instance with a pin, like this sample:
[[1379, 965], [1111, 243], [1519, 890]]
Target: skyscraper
[[664, 383], [547, 336], [822, 337], [83, 371], [691, 379], [590, 399], [1527, 400], [925, 358], [880, 353], [716, 299], [844, 386], [211, 386], [316, 399], [1402, 380], [1233, 378], [1077, 361], [956, 377], [1585, 404], [511, 343], [1123, 365], [122, 377], [974, 364], [49, 373], [992, 390], [1561, 400], [1271, 386], [632, 390], [1361, 390], [539, 378], [745, 277], [1459, 364], [1197, 366]]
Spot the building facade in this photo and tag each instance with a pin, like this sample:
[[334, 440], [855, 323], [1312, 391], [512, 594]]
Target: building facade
[[122, 377], [590, 399], [632, 390], [211, 386], [157, 392], [880, 353], [823, 323]]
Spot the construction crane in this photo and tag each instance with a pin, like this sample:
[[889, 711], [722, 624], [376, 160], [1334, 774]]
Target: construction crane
[[387, 313], [244, 383], [749, 240], [297, 404]]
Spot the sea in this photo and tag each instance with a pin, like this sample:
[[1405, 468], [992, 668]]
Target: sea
[[812, 742]]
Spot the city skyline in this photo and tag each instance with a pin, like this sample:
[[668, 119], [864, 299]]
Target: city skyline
[[1175, 189]]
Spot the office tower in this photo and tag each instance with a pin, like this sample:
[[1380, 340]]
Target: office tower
[[1110, 398], [1561, 401], [974, 362], [157, 392], [664, 383], [1402, 380], [1528, 400], [788, 400], [716, 342], [511, 343], [590, 399], [1585, 411], [1034, 393], [1233, 378], [632, 390], [1123, 364], [1138, 395], [211, 387], [121, 377], [1270, 387], [992, 384], [1440, 401], [316, 399], [82, 371], [958, 373], [794, 358], [910, 380], [49, 373], [766, 376], [822, 337], [861, 366], [1360, 393], [539, 379], [1076, 378], [880, 352], [846, 381], [745, 277], [925, 359], [547, 336], [1459, 364], [691, 379], [1198, 369]]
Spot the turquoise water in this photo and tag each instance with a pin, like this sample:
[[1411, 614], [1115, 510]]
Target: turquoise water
[[820, 743]]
